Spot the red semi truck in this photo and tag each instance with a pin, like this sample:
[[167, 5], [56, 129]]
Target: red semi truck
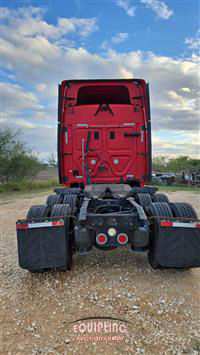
[[104, 160]]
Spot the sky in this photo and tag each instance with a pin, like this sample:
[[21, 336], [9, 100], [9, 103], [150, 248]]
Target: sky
[[45, 42]]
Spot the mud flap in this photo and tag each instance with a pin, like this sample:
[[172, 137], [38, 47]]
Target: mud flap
[[178, 245], [42, 243]]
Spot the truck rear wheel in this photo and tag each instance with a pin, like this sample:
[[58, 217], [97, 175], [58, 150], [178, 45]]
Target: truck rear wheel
[[154, 211], [70, 199], [160, 197], [38, 211], [64, 210], [60, 210], [143, 199], [53, 200], [183, 209]]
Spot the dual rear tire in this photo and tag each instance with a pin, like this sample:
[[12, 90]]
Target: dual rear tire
[[144, 199], [160, 197], [184, 210], [38, 211], [53, 200], [69, 199]]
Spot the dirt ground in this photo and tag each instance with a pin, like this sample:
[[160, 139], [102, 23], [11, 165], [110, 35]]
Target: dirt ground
[[163, 307]]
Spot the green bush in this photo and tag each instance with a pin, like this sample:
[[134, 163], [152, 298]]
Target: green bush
[[28, 185], [16, 162], [162, 164]]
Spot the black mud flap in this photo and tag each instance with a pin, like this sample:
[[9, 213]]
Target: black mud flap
[[42, 243], [178, 245]]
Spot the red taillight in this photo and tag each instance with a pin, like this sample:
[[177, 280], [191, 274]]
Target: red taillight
[[101, 239], [122, 238], [166, 224], [21, 226]]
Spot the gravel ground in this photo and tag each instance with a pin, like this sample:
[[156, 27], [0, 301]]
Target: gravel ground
[[163, 306]]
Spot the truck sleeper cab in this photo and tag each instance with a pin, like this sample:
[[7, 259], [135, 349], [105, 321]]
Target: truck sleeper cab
[[104, 132]]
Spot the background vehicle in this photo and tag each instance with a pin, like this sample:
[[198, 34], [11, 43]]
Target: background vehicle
[[163, 178], [104, 154], [190, 177]]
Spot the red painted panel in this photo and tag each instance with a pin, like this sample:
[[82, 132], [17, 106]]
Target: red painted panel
[[103, 134]]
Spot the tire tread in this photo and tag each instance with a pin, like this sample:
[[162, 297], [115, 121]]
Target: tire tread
[[38, 211]]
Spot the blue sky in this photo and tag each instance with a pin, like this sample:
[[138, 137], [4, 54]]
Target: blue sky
[[45, 42]]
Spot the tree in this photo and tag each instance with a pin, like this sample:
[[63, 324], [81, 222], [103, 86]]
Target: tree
[[16, 162], [159, 164], [183, 163], [175, 165]]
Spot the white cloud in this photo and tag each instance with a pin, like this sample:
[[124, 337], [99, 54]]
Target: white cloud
[[125, 5], [169, 145], [22, 108], [84, 26], [45, 134], [174, 102], [29, 22], [193, 42], [159, 7], [24, 124], [43, 62], [15, 97], [41, 87], [120, 37], [185, 89], [105, 45]]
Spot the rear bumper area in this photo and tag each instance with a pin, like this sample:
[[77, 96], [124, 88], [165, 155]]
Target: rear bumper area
[[41, 243], [178, 245]]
